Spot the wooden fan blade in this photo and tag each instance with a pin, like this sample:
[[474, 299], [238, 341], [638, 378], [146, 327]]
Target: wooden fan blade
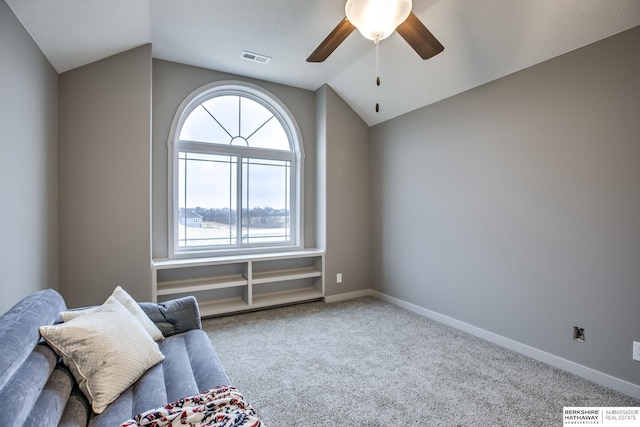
[[419, 37], [332, 41]]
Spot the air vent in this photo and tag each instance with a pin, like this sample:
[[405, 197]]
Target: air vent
[[255, 57]]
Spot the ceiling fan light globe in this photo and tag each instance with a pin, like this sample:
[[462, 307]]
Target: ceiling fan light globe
[[377, 19]]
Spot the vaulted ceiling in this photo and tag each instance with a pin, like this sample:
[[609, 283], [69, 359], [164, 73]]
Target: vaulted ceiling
[[484, 40]]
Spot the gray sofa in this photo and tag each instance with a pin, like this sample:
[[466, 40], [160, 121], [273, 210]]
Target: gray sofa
[[37, 389]]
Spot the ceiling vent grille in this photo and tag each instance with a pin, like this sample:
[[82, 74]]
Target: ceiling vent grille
[[255, 57]]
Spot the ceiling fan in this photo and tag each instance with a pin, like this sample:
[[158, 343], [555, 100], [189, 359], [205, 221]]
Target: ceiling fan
[[377, 20]]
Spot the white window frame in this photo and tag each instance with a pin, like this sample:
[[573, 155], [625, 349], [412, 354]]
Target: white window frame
[[296, 156]]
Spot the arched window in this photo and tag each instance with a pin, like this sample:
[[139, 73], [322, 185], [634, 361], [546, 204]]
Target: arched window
[[236, 164]]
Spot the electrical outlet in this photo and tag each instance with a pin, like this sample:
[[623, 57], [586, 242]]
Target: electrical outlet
[[339, 278], [578, 334], [636, 351]]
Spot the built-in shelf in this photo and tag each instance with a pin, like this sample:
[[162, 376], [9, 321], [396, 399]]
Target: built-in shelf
[[239, 283], [284, 275], [274, 298], [194, 285], [222, 306]]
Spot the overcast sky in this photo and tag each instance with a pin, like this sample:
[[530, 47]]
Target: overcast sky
[[211, 183]]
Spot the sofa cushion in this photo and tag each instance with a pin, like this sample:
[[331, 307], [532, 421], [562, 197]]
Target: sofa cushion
[[175, 316], [76, 411], [25, 366], [191, 366], [130, 304], [52, 400], [107, 350]]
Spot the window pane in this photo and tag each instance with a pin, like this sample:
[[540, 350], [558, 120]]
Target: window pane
[[207, 200], [266, 201], [271, 135], [225, 109], [200, 126], [253, 116]]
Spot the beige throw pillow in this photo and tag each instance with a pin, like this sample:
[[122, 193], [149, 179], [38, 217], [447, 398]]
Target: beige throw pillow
[[130, 304], [106, 350]]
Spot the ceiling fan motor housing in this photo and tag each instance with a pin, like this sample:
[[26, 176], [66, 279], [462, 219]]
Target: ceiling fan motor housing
[[377, 19]]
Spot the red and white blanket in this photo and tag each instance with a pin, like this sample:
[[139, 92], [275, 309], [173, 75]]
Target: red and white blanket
[[218, 407]]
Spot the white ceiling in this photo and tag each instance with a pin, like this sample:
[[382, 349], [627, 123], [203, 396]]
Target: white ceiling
[[483, 40]]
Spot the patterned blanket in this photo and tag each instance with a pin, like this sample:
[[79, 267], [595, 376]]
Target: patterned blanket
[[218, 407]]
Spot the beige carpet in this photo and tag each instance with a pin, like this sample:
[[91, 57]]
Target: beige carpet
[[365, 362]]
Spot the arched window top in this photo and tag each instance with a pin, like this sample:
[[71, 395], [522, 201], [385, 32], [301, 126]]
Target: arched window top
[[237, 114], [235, 120]]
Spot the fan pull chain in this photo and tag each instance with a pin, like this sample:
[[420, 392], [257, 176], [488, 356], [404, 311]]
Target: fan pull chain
[[377, 42]]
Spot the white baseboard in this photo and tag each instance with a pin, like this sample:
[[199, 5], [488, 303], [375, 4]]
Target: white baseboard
[[598, 377], [351, 295]]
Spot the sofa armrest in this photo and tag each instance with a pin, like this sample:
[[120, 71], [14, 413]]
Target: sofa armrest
[[174, 316]]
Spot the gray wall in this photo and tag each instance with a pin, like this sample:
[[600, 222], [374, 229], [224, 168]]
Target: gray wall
[[515, 207], [172, 83], [104, 162], [344, 197], [28, 165]]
